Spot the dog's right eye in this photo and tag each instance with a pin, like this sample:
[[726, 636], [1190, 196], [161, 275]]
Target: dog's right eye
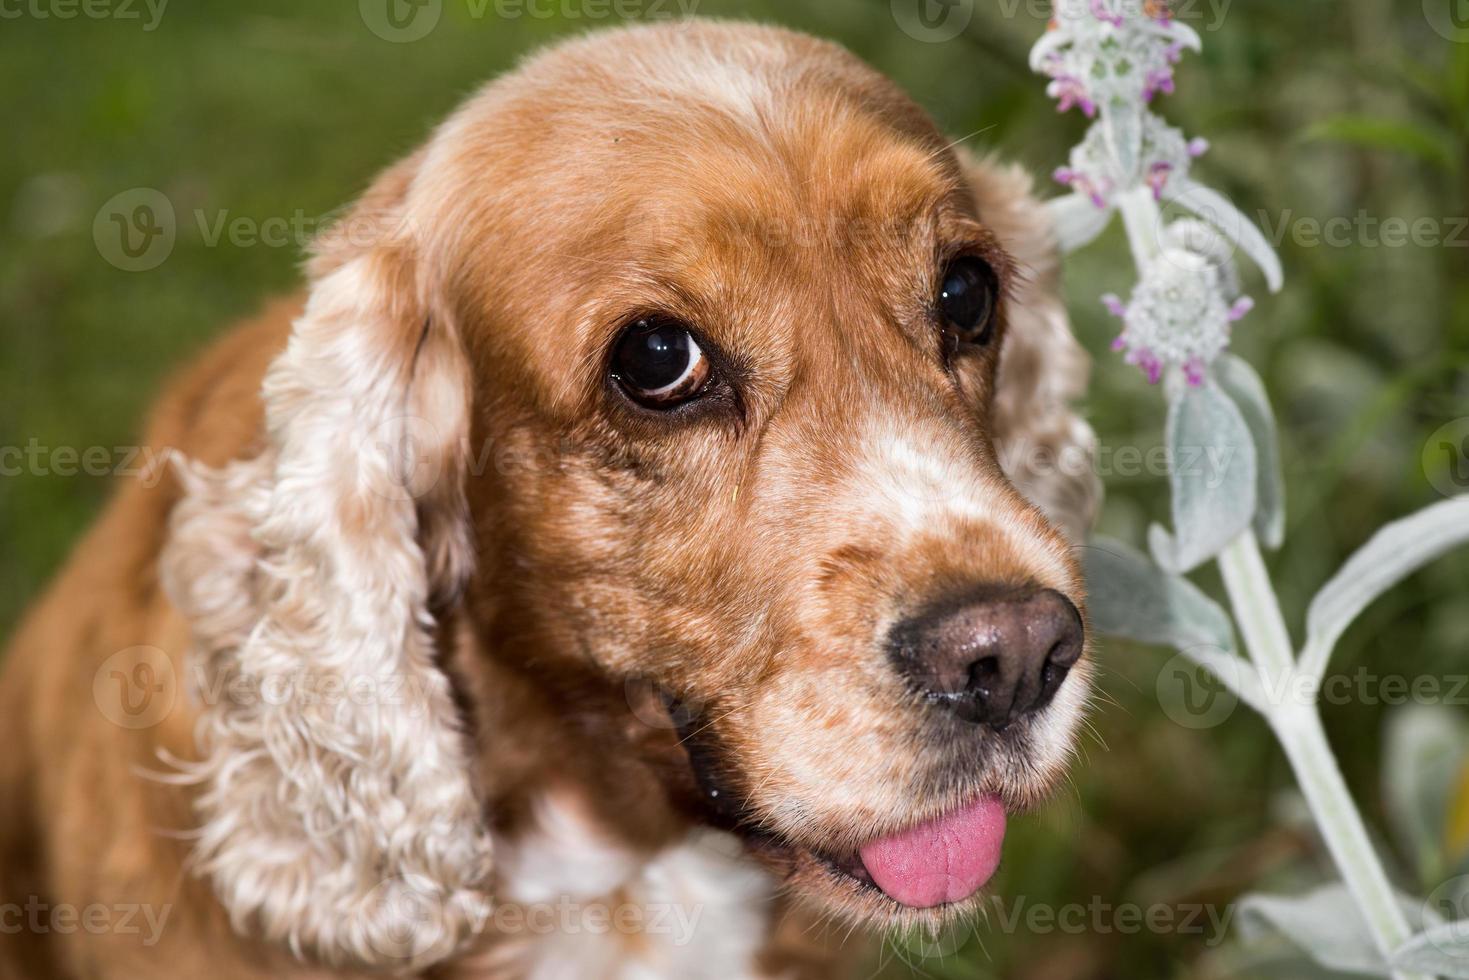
[[659, 364], [968, 300]]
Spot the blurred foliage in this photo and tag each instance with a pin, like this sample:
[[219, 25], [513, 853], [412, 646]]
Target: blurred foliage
[[1317, 109]]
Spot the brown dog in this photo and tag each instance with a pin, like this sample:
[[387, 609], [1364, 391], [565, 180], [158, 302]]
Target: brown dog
[[636, 542]]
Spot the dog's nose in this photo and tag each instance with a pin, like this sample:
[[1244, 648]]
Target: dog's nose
[[993, 658]]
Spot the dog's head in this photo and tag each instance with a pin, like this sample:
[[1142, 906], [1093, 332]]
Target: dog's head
[[693, 356]]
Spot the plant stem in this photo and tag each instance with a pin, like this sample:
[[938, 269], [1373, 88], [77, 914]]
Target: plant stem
[[1258, 614], [1141, 218], [1297, 725], [1294, 718]]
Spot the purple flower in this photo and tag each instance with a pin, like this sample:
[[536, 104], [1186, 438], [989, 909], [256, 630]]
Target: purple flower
[[1178, 317], [1100, 11], [1157, 178], [1082, 184], [1069, 92], [1148, 361], [1193, 371], [1158, 80]]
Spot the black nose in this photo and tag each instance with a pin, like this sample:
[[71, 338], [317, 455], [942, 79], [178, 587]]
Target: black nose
[[992, 657]]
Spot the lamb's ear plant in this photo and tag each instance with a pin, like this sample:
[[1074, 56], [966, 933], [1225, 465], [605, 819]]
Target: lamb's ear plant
[[1110, 58]]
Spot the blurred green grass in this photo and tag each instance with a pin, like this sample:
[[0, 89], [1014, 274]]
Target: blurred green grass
[[1316, 110]]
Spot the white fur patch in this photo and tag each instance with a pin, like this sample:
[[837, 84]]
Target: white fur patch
[[925, 486], [1053, 739], [586, 906], [730, 86]]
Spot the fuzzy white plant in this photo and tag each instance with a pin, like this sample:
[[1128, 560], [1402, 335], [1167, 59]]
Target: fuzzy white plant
[[1110, 59]]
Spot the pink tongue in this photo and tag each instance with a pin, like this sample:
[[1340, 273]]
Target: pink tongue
[[944, 860]]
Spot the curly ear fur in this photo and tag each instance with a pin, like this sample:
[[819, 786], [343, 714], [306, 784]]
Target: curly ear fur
[[1046, 448], [336, 798]]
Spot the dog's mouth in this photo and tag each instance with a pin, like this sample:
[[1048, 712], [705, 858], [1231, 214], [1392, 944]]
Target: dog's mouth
[[941, 861]]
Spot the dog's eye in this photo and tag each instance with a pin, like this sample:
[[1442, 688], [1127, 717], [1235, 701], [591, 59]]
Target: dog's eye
[[968, 299], [659, 364]]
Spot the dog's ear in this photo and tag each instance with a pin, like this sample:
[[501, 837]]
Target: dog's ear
[[338, 808], [1045, 447]]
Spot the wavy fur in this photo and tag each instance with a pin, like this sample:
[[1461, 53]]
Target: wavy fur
[[328, 819]]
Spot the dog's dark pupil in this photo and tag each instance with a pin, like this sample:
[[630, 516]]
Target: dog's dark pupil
[[967, 299], [653, 355]]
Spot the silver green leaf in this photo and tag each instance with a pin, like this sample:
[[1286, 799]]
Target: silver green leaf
[[1442, 951], [1130, 597], [1077, 221], [1392, 554], [1242, 384], [1211, 467], [1220, 212], [1324, 923], [1122, 125]]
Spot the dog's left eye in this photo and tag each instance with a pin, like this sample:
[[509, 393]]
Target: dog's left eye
[[969, 299], [659, 363]]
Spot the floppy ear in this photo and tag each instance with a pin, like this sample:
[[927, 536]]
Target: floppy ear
[[336, 795], [1045, 447]]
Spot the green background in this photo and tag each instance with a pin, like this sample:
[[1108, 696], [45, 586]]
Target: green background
[[1317, 109]]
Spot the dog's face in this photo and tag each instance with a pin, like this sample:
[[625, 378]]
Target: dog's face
[[721, 316], [754, 324]]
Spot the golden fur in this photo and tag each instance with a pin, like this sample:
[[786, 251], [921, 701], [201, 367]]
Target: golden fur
[[421, 587]]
